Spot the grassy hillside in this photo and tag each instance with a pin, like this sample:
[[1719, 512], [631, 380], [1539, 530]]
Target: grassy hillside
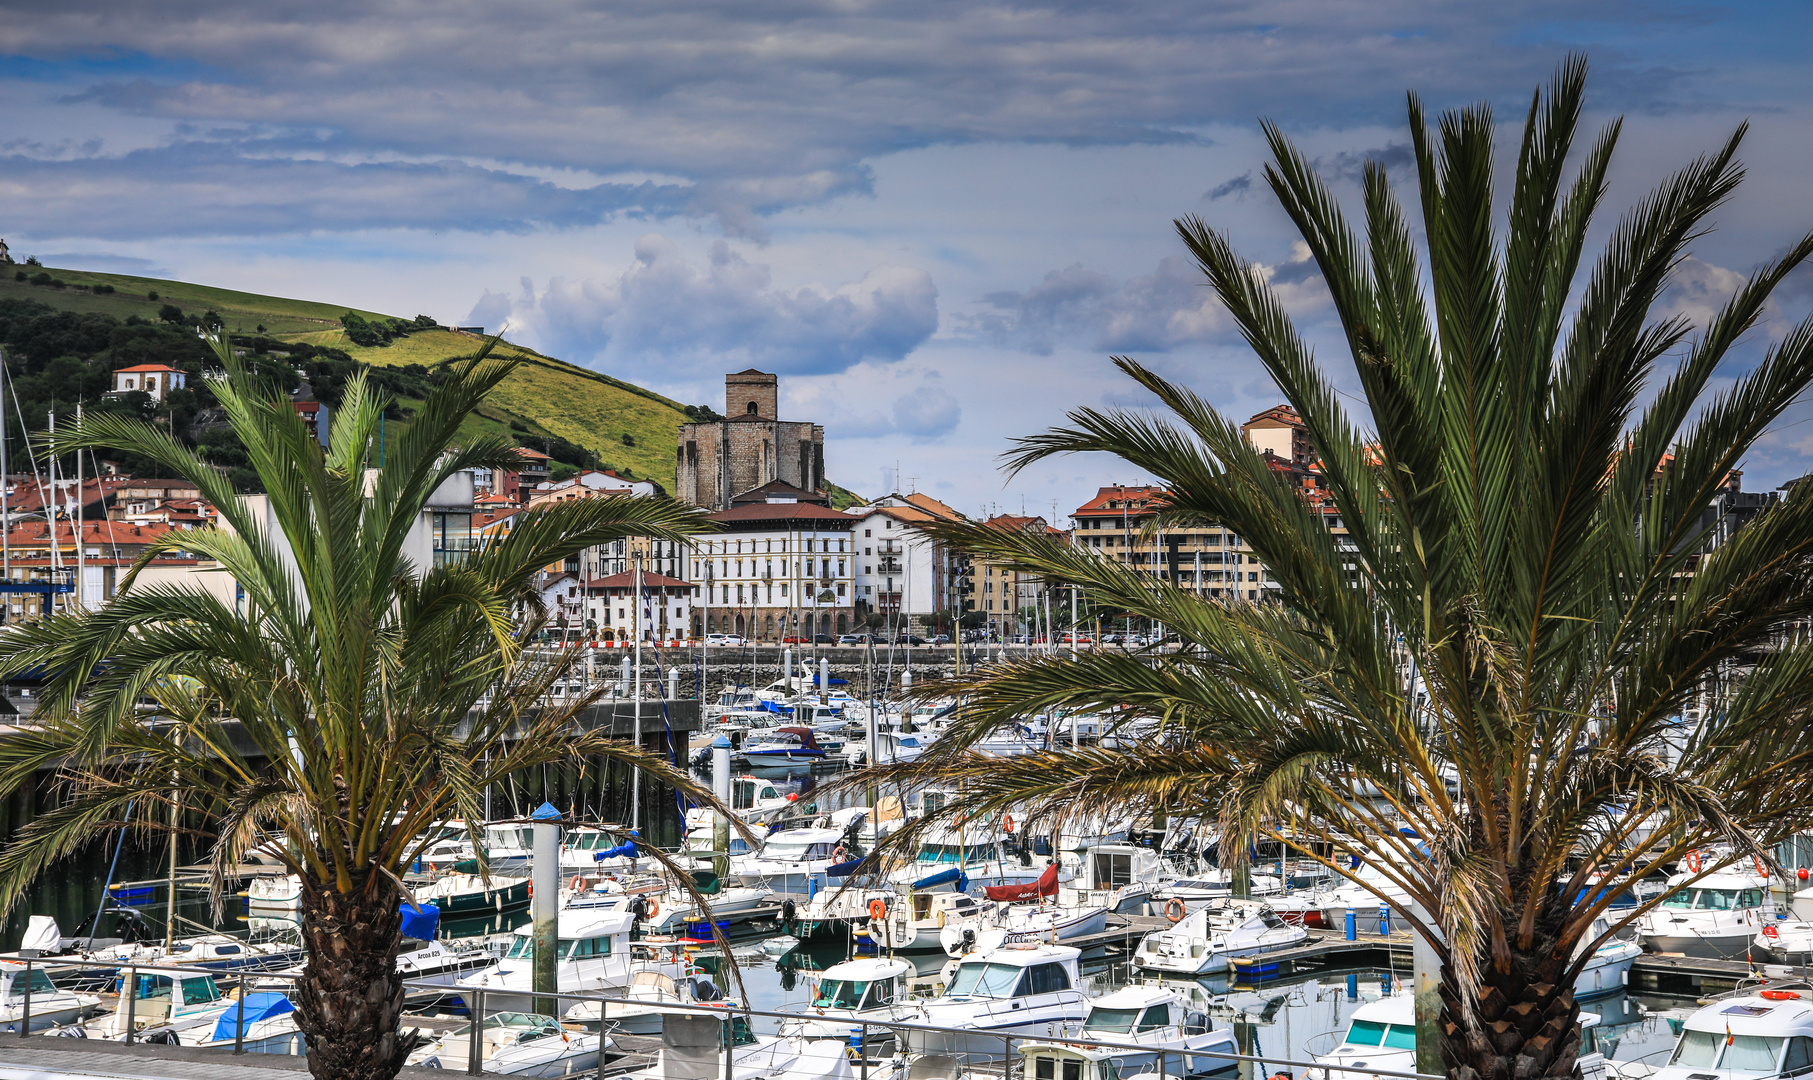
[[629, 428], [547, 396], [242, 312]]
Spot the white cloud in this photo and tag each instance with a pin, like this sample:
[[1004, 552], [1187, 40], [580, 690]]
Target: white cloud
[[665, 312]]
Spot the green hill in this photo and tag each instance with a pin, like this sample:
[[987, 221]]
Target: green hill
[[627, 427]]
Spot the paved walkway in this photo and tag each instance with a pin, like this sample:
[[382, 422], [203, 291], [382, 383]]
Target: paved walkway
[[42, 1058]]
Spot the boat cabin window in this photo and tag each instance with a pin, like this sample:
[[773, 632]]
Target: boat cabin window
[[1270, 919], [149, 988], [1046, 979], [932, 802], [1113, 869], [955, 853], [1044, 1068], [1120, 1020], [1373, 1033], [852, 994], [738, 846], [1732, 1053], [200, 991], [523, 948], [982, 979], [1156, 1017], [1800, 1056], [1715, 899], [41, 984]]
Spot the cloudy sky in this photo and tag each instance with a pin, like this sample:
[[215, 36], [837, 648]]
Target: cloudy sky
[[934, 220]]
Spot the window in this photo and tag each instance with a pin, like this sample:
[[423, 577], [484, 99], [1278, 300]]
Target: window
[[1047, 979], [200, 991], [1156, 1017], [980, 979], [1117, 1020], [1800, 1056]]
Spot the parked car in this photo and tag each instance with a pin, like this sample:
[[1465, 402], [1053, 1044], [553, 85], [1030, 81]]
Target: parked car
[[823, 639], [1079, 639], [727, 640], [853, 639], [793, 639], [941, 639], [909, 639]]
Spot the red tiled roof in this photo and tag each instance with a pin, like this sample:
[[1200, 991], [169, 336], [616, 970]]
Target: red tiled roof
[[147, 367]]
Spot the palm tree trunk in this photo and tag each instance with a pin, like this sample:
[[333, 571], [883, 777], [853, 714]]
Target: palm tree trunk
[[1526, 1025], [350, 997]]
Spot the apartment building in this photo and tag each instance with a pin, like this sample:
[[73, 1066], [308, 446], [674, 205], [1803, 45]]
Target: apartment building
[[780, 566]]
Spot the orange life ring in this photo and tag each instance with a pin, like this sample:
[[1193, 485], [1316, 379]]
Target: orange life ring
[[1175, 909], [580, 884], [654, 907], [878, 908], [1761, 870], [1693, 862], [959, 821], [531, 890], [1010, 824]]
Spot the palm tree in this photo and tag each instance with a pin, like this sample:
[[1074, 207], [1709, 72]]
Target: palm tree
[[349, 695], [1479, 681]]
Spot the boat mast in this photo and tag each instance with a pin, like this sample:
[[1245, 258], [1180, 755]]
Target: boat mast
[[636, 707]]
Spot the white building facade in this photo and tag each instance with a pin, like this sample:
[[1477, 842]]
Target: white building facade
[[779, 567]]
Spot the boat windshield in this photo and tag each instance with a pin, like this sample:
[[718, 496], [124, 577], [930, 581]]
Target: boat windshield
[[1735, 1053], [932, 854], [1390, 1036], [523, 948], [981, 979], [1111, 1019], [840, 994], [1715, 899]]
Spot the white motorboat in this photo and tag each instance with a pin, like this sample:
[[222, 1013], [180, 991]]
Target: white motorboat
[[752, 1057], [516, 1044], [1741, 1038], [1784, 942], [473, 894], [649, 999], [870, 989], [165, 999], [508, 848], [593, 954], [51, 1005], [1382, 1036], [1801, 904], [792, 862], [1608, 969], [1216, 938], [1213, 884], [1715, 916], [268, 1020], [1019, 989], [662, 908], [782, 745], [1182, 1040], [1121, 877], [999, 923]]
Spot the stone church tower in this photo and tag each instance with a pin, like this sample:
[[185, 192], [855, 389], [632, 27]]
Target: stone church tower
[[752, 446]]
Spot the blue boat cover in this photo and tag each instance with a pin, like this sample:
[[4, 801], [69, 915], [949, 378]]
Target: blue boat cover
[[259, 1006], [944, 877], [843, 869], [625, 850], [420, 923]]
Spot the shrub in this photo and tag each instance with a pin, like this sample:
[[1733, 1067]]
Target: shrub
[[518, 425], [628, 439], [212, 320], [261, 328], [32, 260], [425, 322], [362, 332], [152, 295], [19, 275], [170, 313], [42, 277], [105, 290]]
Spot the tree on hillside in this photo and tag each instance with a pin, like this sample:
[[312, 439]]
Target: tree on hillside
[[347, 700], [1479, 689]]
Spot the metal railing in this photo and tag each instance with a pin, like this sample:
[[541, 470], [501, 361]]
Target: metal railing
[[728, 1013]]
